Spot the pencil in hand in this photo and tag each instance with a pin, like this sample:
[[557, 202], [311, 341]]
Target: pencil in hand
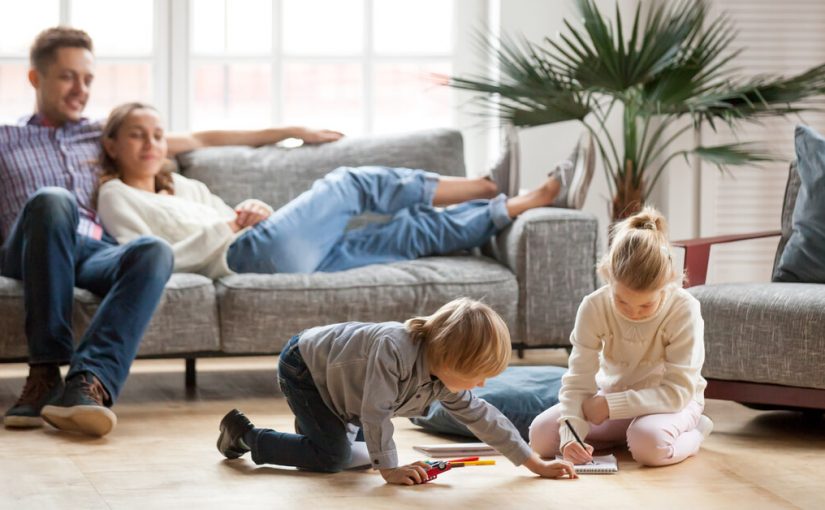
[[578, 439]]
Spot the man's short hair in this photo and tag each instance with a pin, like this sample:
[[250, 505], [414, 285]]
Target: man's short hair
[[45, 46]]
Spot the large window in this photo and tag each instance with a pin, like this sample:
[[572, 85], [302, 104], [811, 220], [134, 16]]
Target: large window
[[354, 65], [359, 66], [126, 56]]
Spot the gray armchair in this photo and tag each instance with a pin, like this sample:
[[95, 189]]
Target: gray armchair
[[764, 342]]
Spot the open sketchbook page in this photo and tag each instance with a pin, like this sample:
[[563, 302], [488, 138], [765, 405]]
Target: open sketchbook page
[[456, 449], [602, 464]]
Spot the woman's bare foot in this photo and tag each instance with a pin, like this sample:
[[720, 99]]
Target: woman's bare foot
[[542, 196]]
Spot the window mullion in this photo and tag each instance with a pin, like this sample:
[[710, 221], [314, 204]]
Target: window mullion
[[368, 67], [180, 66], [277, 63], [161, 49], [65, 12]]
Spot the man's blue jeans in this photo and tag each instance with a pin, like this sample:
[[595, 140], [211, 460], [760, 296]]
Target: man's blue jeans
[[324, 444], [45, 251], [310, 233]]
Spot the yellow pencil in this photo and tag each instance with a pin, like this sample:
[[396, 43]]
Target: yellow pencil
[[473, 463]]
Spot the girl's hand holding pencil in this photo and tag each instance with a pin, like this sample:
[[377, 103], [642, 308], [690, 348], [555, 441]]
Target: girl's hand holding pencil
[[578, 453]]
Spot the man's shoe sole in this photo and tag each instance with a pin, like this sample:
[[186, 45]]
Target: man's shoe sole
[[22, 422], [87, 419]]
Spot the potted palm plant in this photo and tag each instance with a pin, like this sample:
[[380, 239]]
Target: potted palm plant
[[670, 73]]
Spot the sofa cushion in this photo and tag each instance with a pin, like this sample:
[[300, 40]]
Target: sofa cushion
[[186, 320], [277, 175], [259, 313], [13, 337], [764, 332], [520, 393], [803, 257]]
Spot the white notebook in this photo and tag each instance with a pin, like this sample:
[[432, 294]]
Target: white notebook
[[456, 449], [601, 465]]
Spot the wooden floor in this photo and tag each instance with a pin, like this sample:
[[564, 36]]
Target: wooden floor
[[162, 455]]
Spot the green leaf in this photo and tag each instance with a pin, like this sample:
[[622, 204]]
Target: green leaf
[[734, 154]]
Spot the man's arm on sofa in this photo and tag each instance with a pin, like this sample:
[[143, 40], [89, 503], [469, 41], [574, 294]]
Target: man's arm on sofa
[[697, 253], [553, 253]]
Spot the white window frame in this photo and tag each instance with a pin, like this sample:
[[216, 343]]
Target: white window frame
[[182, 62], [173, 64]]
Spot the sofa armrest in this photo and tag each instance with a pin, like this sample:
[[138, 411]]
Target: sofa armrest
[[697, 252], [553, 254]]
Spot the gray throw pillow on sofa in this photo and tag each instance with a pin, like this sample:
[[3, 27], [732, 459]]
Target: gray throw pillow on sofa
[[803, 259]]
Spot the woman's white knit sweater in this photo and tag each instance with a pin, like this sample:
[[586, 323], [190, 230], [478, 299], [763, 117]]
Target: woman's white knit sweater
[[193, 220], [647, 366]]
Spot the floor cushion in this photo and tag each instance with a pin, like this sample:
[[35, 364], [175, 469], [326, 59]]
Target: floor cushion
[[520, 393]]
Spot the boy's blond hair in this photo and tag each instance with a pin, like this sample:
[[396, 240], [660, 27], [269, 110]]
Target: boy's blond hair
[[465, 336], [640, 255]]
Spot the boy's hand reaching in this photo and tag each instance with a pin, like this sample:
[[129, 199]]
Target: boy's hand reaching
[[410, 474], [550, 468]]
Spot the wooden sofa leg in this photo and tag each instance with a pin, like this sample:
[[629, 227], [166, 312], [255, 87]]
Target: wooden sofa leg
[[191, 375]]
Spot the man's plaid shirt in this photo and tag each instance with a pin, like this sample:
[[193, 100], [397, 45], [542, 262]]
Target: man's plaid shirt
[[33, 155]]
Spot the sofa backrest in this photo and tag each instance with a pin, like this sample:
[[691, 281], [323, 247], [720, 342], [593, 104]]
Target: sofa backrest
[[277, 175], [791, 192]]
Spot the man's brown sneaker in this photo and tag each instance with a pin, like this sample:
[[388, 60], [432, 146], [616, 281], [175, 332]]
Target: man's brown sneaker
[[82, 407], [43, 385]]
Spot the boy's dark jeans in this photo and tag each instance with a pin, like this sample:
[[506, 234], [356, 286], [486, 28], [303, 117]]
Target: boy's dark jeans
[[323, 444]]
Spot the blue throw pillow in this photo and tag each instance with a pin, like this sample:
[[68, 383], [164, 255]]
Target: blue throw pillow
[[803, 259], [520, 393]]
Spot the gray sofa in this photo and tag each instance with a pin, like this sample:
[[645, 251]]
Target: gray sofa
[[534, 274], [764, 342]]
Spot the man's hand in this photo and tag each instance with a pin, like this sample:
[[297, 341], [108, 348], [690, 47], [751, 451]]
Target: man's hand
[[410, 474], [251, 212], [550, 468], [596, 410], [574, 452], [317, 135]]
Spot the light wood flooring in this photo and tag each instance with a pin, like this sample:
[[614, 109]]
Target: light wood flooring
[[162, 455]]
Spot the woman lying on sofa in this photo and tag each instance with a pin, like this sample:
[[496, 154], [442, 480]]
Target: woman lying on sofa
[[432, 214]]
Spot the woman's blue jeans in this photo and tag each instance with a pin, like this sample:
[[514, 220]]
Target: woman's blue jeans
[[310, 233]]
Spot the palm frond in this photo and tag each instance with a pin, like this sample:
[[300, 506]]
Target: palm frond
[[702, 62], [734, 154], [530, 91], [762, 96]]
